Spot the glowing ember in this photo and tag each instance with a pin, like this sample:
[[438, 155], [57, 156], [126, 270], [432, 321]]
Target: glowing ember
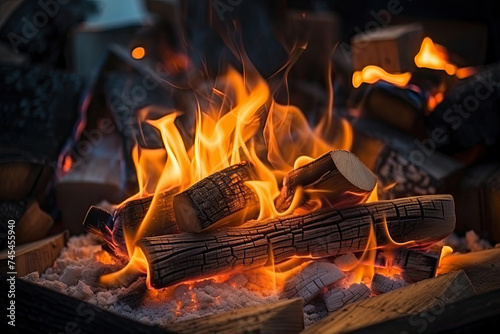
[[138, 52], [371, 74]]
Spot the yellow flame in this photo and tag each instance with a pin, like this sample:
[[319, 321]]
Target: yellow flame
[[434, 57], [371, 74]]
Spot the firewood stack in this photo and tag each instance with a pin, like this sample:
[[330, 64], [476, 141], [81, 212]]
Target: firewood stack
[[207, 229]]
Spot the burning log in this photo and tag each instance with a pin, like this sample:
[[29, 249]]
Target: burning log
[[129, 216], [415, 264], [382, 284], [340, 174], [218, 199], [35, 256], [412, 299], [324, 233], [309, 282], [284, 316], [339, 297]]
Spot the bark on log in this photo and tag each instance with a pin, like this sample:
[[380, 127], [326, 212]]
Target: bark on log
[[218, 199], [324, 233], [41, 310], [281, 317], [427, 295], [339, 174], [128, 217]]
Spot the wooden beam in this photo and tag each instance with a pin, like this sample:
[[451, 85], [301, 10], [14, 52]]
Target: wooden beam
[[483, 268], [339, 175], [426, 295], [35, 256], [285, 316], [324, 233], [218, 199]]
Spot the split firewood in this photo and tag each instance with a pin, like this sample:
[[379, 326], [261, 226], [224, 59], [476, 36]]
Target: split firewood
[[422, 296], [309, 282], [415, 264], [129, 216], [339, 297], [35, 256], [323, 233], [286, 316], [339, 175], [482, 268], [43, 310], [382, 284], [33, 225], [218, 199], [346, 262]]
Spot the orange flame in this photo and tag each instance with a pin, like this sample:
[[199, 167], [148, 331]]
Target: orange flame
[[434, 56], [371, 74]]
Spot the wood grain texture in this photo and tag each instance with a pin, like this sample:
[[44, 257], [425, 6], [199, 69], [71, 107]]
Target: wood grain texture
[[281, 317], [426, 295], [339, 174], [35, 256], [217, 199], [482, 268], [324, 233]]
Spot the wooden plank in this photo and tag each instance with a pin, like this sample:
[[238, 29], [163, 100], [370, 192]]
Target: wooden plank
[[482, 268], [41, 310], [476, 314], [324, 233], [415, 298], [36, 256], [281, 317]]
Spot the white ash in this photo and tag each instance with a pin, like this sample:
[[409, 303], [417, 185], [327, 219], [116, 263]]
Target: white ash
[[471, 242], [76, 272], [309, 282], [338, 297], [382, 284]]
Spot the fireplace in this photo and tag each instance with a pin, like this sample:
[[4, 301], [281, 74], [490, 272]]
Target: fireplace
[[249, 167]]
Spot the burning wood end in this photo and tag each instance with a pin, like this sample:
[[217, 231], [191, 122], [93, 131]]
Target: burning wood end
[[382, 284], [309, 282], [339, 297]]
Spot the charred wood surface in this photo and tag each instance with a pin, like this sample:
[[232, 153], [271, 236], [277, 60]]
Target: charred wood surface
[[324, 233], [217, 199]]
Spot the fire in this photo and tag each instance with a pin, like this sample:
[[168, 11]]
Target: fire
[[242, 123], [138, 52], [434, 56], [371, 74]]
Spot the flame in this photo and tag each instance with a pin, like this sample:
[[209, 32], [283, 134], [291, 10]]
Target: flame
[[434, 56], [138, 52], [465, 72], [371, 74]]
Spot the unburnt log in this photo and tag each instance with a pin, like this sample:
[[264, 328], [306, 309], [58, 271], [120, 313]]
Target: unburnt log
[[339, 175], [129, 216], [324, 233], [218, 199]]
